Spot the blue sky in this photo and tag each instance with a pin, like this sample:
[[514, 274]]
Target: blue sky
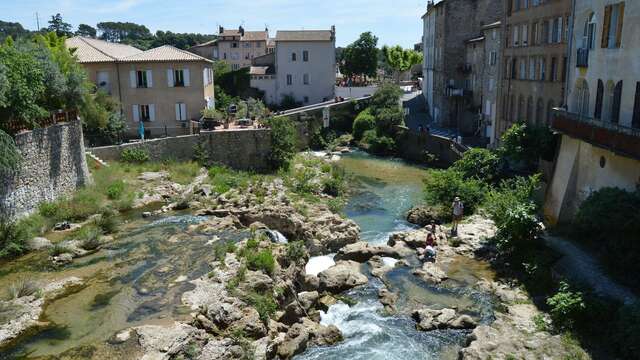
[[394, 22]]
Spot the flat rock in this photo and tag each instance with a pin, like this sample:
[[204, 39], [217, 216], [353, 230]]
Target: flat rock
[[38, 243], [344, 275], [430, 272], [363, 251], [429, 319]]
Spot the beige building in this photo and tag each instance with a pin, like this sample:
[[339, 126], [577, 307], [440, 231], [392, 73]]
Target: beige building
[[600, 144], [164, 87], [534, 61], [239, 47], [206, 50]]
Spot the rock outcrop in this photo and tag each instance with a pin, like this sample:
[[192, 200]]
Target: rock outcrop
[[428, 319], [344, 275], [362, 251]]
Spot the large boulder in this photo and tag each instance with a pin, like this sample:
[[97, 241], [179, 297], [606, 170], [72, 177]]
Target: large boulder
[[294, 342], [428, 319], [344, 275], [430, 272], [362, 251], [250, 324], [423, 215]]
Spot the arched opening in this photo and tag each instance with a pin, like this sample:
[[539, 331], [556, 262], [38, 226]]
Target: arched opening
[[597, 113], [539, 111], [530, 110], [589, 34], [617, 101], [581, 98]]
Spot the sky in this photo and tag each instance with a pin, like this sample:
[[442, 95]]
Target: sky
[[393, 22]]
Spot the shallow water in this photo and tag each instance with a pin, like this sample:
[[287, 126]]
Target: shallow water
[[386, 189]]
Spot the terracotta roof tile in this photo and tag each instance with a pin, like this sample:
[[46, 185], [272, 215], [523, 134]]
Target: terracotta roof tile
[[164, 53]]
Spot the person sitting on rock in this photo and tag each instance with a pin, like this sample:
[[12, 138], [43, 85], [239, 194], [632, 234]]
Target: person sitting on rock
[[432, 227], [430, 250]]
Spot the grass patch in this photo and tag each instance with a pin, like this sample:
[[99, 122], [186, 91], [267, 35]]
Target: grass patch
[[264, 304], [224, 179], [221, 250], [21, 288], [58, 249], [183, 173], [261, 261]]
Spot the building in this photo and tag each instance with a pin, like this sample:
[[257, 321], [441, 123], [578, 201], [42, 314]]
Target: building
[[164, 87], [302, 66], [239, 47], [534, 61], [447, 25], [206, 50], [600, 129]]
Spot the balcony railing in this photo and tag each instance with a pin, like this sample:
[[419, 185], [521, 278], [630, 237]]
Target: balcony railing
[[582, 58], [618, 138]]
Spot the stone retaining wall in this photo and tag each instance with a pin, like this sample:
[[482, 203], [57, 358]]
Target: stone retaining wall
[[53, 164], [414, 147]]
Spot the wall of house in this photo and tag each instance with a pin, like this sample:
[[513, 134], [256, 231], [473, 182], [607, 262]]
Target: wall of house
[[266, 83], [579, 172], [491, 79], [53, 165], [321, 68], [240, 149], [608, 65], [242, 55]]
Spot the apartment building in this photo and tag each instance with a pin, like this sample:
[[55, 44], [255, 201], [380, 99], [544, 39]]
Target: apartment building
[[164, 87], [205, 49], [534, 61], [600, 143], [239, 47], [303, 66], [447, 26]]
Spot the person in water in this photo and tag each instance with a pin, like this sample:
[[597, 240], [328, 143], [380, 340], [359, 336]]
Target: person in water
[[430, 249], [458, 211]]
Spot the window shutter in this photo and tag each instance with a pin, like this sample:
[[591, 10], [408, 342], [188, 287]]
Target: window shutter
[[149, 78], [178, 118], [620, 22], [132, 78], [136, 113], [183, 111], [152, 112], [597, 114], [187, 78], [170, 80], [605, 27]]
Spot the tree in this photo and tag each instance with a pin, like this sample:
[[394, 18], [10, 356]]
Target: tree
[[124, 32], [283, 142], [360, 57], [401, 60], [387, 96], [14, 30], [86, 30], [57, 25]]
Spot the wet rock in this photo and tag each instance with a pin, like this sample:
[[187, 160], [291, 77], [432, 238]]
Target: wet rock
[[292, 313], [378, 266], [431, 273], [429, 319], [388, 299], [295, 342], [62, 259], [38, 243], [362, 251], [308, 299], [321, 335], [326, 301], [250, 324], [344, 275], [147, 214], [157, 341], [423, 215]]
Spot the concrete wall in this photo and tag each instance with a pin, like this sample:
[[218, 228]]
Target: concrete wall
[[578, 173], [239, 149], [414, 146], [53, 165]]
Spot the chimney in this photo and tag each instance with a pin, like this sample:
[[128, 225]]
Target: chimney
[[241, 29], [220, 30], [333, 32]]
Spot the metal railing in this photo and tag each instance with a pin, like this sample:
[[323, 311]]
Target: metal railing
[[622, 129], [15, 126]]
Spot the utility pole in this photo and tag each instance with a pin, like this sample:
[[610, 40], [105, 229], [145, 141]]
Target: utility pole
[[37, 22]]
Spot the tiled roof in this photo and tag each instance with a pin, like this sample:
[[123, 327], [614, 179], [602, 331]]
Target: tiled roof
[[248, 35], [164, 53], [98, 51], [90, 50], [208, 43], [304, 35]]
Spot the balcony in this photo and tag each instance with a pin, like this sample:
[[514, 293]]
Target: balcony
[[619, 139], [582, 58]]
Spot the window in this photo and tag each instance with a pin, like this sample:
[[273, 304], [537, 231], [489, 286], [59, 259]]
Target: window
[[514, 69], [181, 112], [607, 108], [305, 56], [525, 35], [517, 5], [306, 99], [545, 33], [178, 78], [535, 2], [597, 113], [305, 79], [235, 67], [289, 79], [525, 4], [555, 34], [493, 58], [141, 79], [589, 35], [144, 113], [492, 84], [534, 34], [258, 44], [532, 69], [523, 69], [554, 69], [225, 56], [516, 37], [234, 45], [581, 100], [294, 57], [543, 69], [612, 26], [617, 99], [635, 122], [506, 68]]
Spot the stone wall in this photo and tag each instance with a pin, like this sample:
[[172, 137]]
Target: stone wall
[[53, 165], [240, 149], [414, 146]]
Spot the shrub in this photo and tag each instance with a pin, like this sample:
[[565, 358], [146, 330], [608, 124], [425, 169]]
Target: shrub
[[90, 237], [305, 181], [224, 179], [525, 143], [388, 119], [627, 331], [283, 142], [378, 145], [442, 186], [221, 250], [107, 222], [200, 154], [49, 210], [84, 203], [317, 141], [387, 96], [478, 163], [21, 288], [13, 237], [261, 261], [296, 251], [115, 190], [566, 306], [335, 185], [363, 122], [58, 249], [265, 305], [134, 156], [509, 194], [519, 229]]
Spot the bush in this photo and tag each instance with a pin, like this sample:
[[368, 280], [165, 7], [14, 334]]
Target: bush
[[261, 261], [627, 331], [610, 219], [224, 179], [566, 307], [21, 288], [478, 163], [387, 96], [134, 156], [265, 305], [363, 122], [107, 222], [519, 229], [283, 142], [183, 173], [90, 237], [13, 238], [305, 181], [58, 249], [378, 145], [525, 143], [509, 194], [442, 186], [317, 141], [335, 185], [49, 210], [221, 250], [115, 190], [388, 119], [84, 203], [296, 251]]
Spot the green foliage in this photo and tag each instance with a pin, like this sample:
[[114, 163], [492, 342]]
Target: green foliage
[[89, 237], [58, 249], [283, 142], [115, 190], [264, 304], [379, 145], [400, 59], [221, 250], [519, 229], [508, 195], [58, 26], [107, 221], [261, 261], [627, 331], [86, 31], [610, 219], [200, 154], [134, 155], [182, 172], [305, 181], [335, 185], [566, 306], [13, 238], [388, 119], [296, 252], [525, 143], [442, 186], [10, 158], [103, 122], [482, 164], [387, 96], [224, 179], [360, 57], [21, 288]]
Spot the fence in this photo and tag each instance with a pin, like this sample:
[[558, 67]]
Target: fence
[[15, 126]]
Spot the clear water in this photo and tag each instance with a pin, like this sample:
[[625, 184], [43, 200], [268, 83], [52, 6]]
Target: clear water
[[386, 190]]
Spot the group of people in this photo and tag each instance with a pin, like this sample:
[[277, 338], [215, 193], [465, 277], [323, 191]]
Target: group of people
[[430, 252]]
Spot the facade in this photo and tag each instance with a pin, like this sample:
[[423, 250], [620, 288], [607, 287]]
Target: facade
[[239, 47], [600, 145], [534, 61], [303, 65], [447, 25], [206, 50], [164, 87]]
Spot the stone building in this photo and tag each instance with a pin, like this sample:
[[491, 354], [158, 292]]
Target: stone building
[[448, 25], [239, 47], [534, 60], [600, 143]]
